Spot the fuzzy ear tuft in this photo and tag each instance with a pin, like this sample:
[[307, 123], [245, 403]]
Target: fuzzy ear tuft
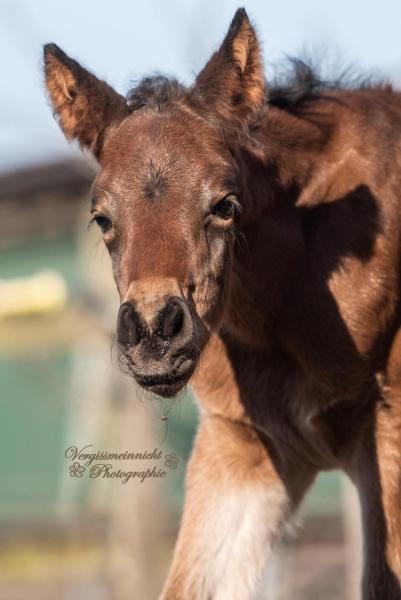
[[85, 107], [232, 82]]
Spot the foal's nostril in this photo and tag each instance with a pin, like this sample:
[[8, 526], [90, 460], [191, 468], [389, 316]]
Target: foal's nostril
[[128, 325], [172, 323], [172, 318]]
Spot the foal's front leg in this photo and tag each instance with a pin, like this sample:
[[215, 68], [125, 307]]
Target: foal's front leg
[[236, 503], [377, 473]]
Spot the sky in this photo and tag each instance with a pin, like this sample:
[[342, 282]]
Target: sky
[[122, 40]]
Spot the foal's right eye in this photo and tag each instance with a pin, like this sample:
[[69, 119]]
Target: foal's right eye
[[103, 222]]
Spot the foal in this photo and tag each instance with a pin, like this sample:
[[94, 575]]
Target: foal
[[254, 235]]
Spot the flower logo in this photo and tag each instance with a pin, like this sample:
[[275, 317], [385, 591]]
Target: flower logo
[[76, 470], [171, 461]]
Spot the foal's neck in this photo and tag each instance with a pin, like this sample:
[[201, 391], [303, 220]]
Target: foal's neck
[[276, 164]]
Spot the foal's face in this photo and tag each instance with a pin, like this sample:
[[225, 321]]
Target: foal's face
[[166, 200], [166, 196]]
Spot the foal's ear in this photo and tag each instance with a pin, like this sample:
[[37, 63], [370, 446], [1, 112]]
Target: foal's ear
[[232, 82], [85, 107]]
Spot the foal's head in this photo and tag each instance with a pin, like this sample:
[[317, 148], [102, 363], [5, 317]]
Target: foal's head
[[167, 195]]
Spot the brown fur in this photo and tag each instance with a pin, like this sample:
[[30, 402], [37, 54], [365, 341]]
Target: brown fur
[[289, 310]]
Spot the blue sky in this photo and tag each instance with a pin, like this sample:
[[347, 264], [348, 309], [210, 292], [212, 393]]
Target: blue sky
[[121, 40]]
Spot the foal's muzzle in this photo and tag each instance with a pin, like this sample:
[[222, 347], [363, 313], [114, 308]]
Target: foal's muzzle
[[159, 350]]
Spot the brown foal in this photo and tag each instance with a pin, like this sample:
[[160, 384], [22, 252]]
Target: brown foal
[[254, 233]]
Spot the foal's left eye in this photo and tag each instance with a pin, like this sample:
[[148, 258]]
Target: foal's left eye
[[225, 208], [103, 222]]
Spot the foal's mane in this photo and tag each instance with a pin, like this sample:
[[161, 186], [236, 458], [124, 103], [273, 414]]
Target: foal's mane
[[298, 84]]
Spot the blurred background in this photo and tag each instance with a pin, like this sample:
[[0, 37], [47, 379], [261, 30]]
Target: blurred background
[[66, 537]]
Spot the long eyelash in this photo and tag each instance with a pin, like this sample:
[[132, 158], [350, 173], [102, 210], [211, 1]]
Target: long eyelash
[[235, 235], [237, 205]]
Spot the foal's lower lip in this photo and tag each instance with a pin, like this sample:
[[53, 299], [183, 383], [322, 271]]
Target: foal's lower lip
[[148, 381], [167, 386]]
